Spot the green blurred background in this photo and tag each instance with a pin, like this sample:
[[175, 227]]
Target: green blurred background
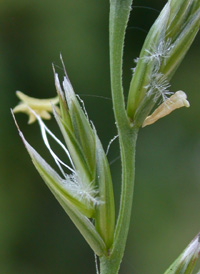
[[35, 234]]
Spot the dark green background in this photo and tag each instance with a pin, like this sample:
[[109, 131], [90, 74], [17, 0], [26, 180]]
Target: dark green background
[[35, 234]]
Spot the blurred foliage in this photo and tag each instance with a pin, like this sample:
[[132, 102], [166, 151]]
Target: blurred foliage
[[35, 234]]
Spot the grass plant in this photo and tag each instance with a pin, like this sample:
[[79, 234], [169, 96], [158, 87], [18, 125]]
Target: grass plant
[[84, 188]]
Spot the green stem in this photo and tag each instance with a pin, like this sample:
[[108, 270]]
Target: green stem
[[119, 14], [110, 264]]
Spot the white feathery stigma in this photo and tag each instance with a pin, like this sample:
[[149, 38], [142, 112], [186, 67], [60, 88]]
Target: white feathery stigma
[[158, 83], [158, 53], [158, 86], [80, 189]]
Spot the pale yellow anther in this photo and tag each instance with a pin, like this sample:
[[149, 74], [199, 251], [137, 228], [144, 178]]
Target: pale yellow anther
[[177, 100], [42, 107]]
